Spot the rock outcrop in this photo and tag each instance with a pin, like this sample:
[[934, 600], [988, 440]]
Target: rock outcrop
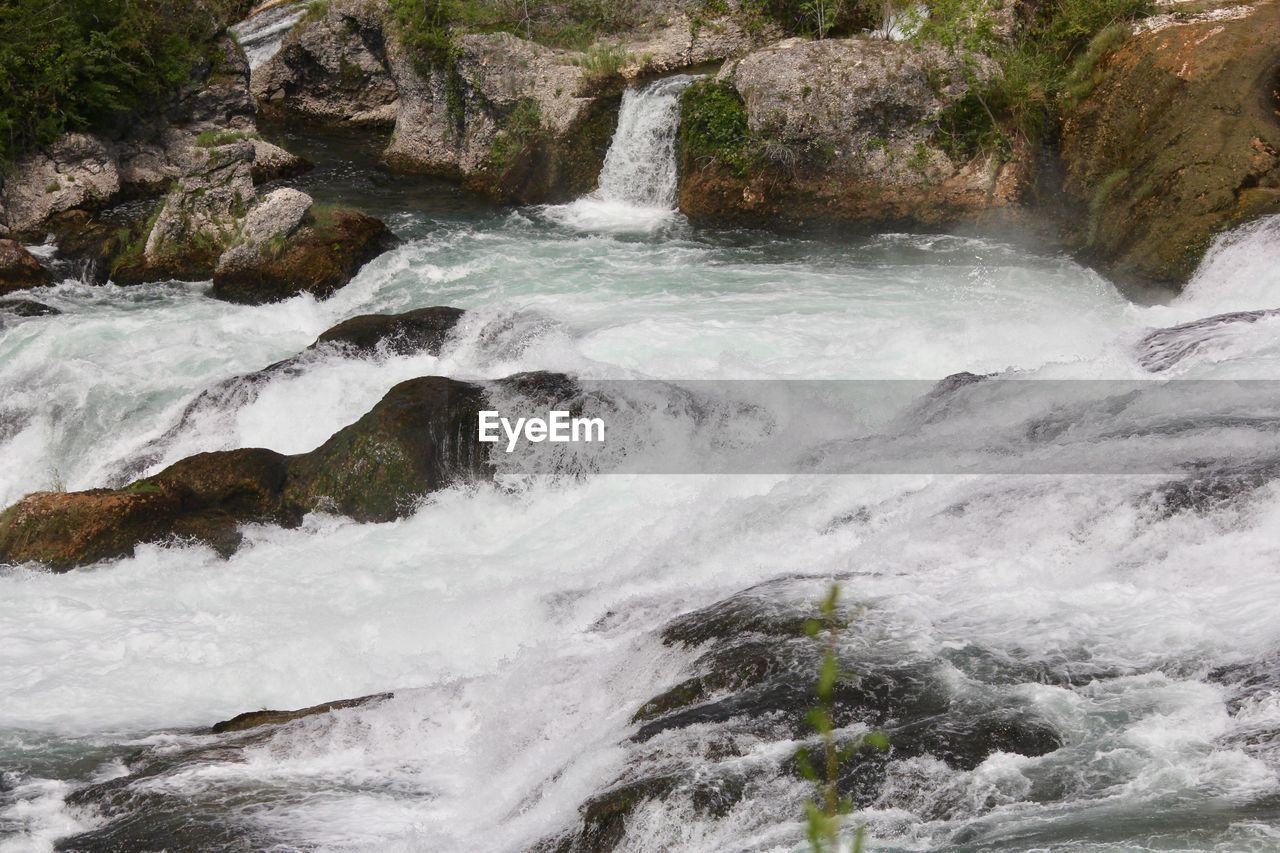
[[331, 71], [254, 719], [287, 246], [1178, 141], [57, 189], [839, 130], [19, 269], [420, 438]]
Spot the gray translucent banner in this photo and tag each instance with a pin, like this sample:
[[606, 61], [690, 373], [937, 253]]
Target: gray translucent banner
[[964, 424]]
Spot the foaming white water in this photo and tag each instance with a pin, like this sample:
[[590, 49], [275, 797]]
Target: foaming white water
[[519, 623], [637, 190], [1240, 272]]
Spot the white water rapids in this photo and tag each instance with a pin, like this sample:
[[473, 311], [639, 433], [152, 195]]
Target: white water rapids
[[518, 625]]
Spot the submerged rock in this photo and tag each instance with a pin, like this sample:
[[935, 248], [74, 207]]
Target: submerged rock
[[254, 719], [838, 130], [19, 269], [1178, 141], [27, 308], [703, 744], [1163, 349], [419, 330]]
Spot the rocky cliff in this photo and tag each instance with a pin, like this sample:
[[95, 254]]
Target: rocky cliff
[[1178, 141]]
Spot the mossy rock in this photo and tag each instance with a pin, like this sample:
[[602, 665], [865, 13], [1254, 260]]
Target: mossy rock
[[421, 437], [1177, 142], [318, 258]]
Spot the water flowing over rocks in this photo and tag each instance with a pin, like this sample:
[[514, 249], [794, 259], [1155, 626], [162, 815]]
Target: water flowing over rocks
[[699, 746], [841, 130], [1178, 142], [420, 438], [27, 308]]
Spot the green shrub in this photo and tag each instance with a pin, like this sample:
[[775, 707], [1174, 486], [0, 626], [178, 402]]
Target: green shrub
[[84, 64], [602, 61], [1055, 61], [520, 128], [214, 138], [713, 127]]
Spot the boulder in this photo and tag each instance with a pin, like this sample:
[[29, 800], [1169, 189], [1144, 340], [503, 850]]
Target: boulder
[[318, 255], [1178, 141], [421, 437], [254, 719], [27, 308], [331, 71], [838, 130], [78, 170], [751, 688], [19, 269], [202, 498], [420, 330], [87, 245], [197, 221]]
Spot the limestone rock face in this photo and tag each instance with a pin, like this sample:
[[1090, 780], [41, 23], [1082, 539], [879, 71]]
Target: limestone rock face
[[314, 254], [843, 130], [684, 43], [1179, 141], [198, 220], [19, 270], [331, 71], [79, 170]]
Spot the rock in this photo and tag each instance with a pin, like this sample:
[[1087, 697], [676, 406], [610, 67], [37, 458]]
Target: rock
[[685, 43], [19, 269], [421, 437], [27, 308], [701, 745], [318, 257], [253, 719], [273, 163], [202, 498], [331, 71], [420, 330], [1162, 349], [87, 245], [198, 220], [1177, 142], [838, 130], [275, 217], [79, 170]]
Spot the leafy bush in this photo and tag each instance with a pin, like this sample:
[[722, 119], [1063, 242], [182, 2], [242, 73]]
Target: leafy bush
[[84, 64], [1054, 60], [713, 127]]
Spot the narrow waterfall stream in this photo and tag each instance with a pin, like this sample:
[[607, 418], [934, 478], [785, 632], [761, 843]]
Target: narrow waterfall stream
[[1063, 663], [637, 187]]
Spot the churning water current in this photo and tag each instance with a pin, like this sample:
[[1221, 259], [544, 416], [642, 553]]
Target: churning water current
[[517, 625]]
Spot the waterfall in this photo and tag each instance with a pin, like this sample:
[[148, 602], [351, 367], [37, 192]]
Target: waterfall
[[637, 188]]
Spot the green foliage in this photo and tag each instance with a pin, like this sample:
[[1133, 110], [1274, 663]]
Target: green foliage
[[214, 138], [521, 128], [315, 11], [1054, 60], [82, 64], [825, 813], [602, 61], [713, 127], [815, 18]]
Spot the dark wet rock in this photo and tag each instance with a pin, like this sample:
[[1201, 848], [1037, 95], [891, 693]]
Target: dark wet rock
[[1177, 142], [19, 269], [87, 244], [27, 308], [753, 680], [254, 719], [421, 437], [318, 258], [420, 330], [202, 498], [1162, 349], [1207, 489]]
